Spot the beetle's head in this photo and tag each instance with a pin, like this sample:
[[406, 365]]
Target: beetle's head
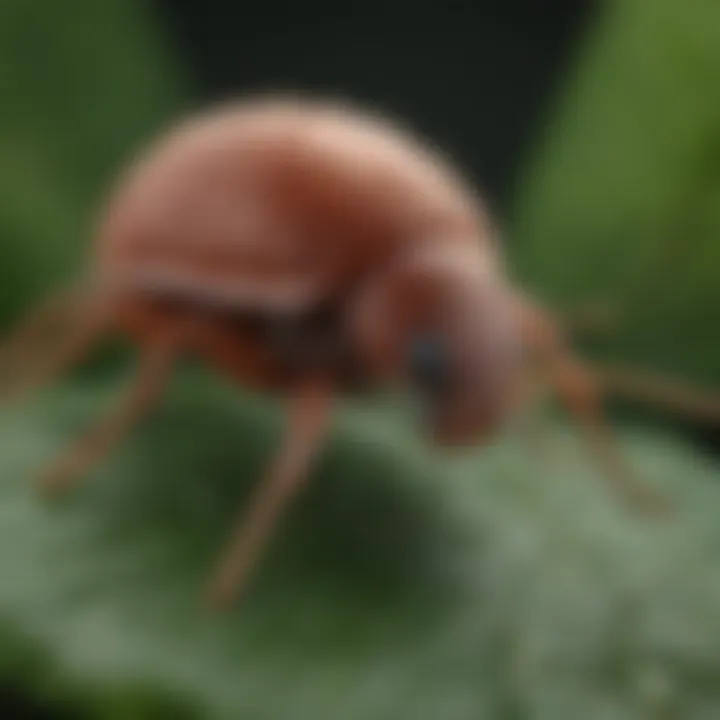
[[442, 322]]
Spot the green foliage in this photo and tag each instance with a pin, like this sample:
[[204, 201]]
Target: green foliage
[[403, 584], [623, 200], [81, 83]]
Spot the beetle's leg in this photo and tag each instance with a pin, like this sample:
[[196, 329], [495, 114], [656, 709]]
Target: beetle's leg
[[580, 392], [33, 357], [307, 422], [142, 394], [38, 322]]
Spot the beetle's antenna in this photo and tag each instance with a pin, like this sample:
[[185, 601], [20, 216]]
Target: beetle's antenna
[[593, 318], [674, 396]]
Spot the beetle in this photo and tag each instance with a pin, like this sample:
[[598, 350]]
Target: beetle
[[308, 247]]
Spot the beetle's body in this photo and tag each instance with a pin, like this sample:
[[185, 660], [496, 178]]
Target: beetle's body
[[279, 208], [303, 246]]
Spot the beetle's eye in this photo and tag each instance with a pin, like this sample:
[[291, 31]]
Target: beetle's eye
[[429, 366]]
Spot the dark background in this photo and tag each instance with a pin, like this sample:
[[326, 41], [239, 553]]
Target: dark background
[[476, 77]]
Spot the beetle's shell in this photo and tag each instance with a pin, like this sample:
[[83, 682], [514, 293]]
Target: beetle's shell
[[277, 203]]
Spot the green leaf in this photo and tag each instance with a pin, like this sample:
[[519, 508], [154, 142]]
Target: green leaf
[[622, 200], [404, 584]]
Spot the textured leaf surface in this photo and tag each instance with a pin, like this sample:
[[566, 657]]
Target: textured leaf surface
[[622, 203], [403, 585]]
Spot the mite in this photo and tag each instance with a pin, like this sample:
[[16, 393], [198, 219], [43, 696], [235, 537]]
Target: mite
[[308, 248]]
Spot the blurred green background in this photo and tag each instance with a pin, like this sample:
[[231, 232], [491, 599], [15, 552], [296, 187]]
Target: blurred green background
[[406, 584]]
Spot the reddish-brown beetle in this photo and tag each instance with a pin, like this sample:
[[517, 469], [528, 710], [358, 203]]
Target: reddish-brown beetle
[[306, 247]]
